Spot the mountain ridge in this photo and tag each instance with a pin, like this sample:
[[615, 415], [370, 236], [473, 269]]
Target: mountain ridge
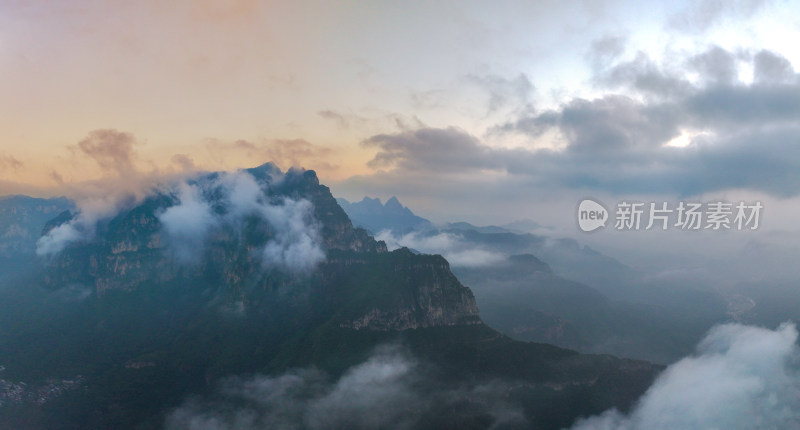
[[126, 312]]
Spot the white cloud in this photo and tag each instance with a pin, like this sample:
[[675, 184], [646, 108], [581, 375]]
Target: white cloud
[[187, 223], [741, 377], [451, 246], [294, 244], [57, 239], [374, 394], [389, 390]]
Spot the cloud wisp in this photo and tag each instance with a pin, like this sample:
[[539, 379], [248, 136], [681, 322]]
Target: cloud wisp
[[452, 246], [202, 207], [294, 243]]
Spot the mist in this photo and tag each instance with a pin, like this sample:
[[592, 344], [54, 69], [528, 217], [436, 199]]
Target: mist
[[451, 246], [295, 239], [391, 389], [740, 377]]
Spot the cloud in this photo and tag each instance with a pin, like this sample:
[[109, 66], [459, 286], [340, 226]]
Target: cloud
[[715, 64], [187, 224], [93, 206], [284, 152], [741, 377], [616, 123], [700, 16], [451, 246], [123, 186], [605, 50], [9, 162], [337, 117], [770, 67], [431, 149], [183, 161], [374, 394], [294, 242], [388, 390], [617, 143], [515, 92], [57, 239], [643, 75], [112, 150]]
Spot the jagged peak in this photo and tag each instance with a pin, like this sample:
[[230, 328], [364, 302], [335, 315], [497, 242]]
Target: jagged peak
[[267, 171], [393, 203], [367, 199]]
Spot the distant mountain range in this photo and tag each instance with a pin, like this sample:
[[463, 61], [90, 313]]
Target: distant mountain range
[[375, 216], [536, 287], [139, 320]]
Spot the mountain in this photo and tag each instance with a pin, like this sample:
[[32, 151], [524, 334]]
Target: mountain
[[523, 226], [566, 256], [148, 318], [22, 219], [375, 216], [523, 298], [535, 287]]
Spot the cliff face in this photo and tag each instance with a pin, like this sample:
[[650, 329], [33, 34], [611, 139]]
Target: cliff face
[[151, 322], [401, 290], [21, 221], [359, 284]]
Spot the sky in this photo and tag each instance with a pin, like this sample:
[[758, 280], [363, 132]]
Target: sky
[[476, 111]]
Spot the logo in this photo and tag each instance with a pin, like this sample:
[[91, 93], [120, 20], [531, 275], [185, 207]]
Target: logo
[[591, 215]]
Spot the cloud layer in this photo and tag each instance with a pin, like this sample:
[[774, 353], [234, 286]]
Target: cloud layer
[[386, 391], [741, 377]]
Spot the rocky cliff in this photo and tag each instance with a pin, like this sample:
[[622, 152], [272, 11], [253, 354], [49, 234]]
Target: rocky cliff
[[368, 288]]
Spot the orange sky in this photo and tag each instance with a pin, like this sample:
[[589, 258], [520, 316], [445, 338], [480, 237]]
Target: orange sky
[[226, 84]]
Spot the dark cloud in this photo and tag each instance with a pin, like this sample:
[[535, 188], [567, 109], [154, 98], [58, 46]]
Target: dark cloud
[[8, 162], [431, 149], [112, 150], [750, 139], [716, 65], [740, 106], [644, 75], [745, 135], [532, 125], [184, 162], [338, 118], [615, 123], [284, 152], [56, 177], [772, 68]]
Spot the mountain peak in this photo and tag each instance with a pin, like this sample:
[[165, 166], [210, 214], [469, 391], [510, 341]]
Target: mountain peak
[[265, 172], [374, 216], [393, 203]]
